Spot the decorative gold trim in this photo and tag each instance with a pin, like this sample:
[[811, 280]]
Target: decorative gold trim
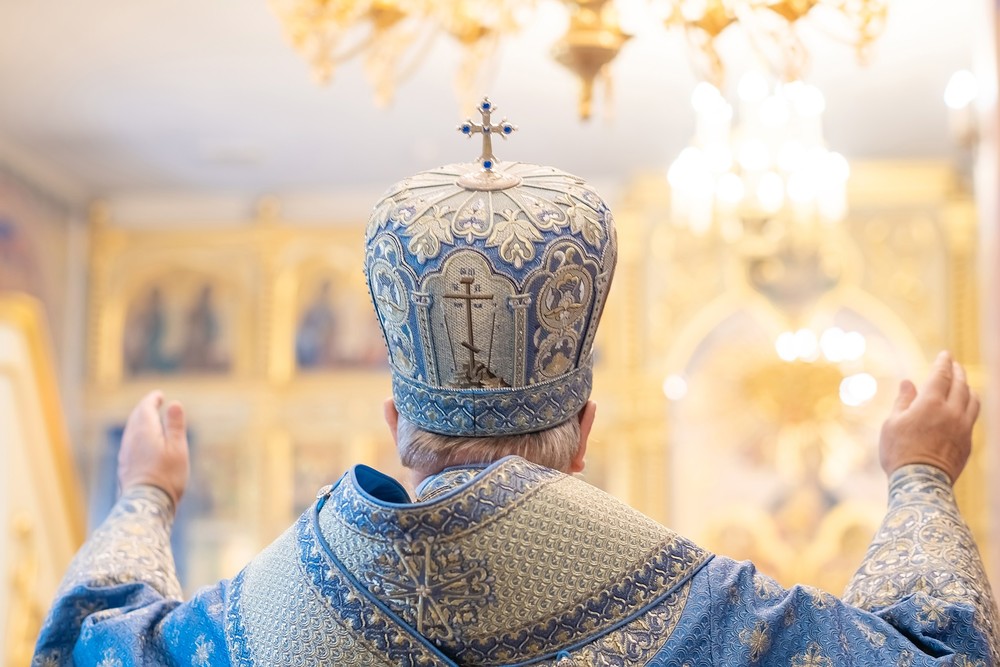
[[25, 313], [25, 609]]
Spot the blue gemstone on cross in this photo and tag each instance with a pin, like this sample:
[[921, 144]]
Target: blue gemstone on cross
[[486, 129]]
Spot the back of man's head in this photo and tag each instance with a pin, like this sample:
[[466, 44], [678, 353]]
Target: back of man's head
[[489, 281], [429, 452]]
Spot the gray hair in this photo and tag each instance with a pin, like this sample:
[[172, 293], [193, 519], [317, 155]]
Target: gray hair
[[431, 452]]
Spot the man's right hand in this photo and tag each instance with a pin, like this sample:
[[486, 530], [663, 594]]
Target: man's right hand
[[932, 426]]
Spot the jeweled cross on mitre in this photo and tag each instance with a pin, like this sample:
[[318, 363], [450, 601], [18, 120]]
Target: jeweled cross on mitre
[[487, 129]]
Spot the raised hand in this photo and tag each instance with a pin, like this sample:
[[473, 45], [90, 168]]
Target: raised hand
[[932, 425], [153, 451]]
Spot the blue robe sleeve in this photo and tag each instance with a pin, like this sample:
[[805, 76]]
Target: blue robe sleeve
[[921, 596], [120, 602], [923, 572]]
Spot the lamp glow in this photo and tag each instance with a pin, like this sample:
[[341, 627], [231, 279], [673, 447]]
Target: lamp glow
[[962, 90], [856, 390], [675, 387]]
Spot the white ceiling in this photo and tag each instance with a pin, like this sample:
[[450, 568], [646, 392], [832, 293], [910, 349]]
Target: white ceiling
[[126, 98]]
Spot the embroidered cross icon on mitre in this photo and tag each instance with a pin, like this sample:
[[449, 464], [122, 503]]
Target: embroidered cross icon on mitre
[[475, 373]]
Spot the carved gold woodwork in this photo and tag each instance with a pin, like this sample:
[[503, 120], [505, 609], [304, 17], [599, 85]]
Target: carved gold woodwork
[[26, 610], [25, 313]]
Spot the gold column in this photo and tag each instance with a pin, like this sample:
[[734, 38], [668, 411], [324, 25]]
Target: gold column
[[964, 341], [104, 368]]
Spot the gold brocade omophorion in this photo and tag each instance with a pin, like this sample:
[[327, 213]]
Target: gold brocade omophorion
[[502, 568]]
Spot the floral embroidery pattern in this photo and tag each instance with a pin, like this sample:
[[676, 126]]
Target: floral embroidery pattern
[[109, 659], [757, 640], [765, 587], [203, 650], [813, 657], [431, 212], [924, 547], [876, 639]]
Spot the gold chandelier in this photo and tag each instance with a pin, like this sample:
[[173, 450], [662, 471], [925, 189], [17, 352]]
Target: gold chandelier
[[394, 36]]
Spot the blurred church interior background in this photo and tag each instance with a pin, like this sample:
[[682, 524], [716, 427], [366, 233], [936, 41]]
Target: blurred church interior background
[[806, 200]]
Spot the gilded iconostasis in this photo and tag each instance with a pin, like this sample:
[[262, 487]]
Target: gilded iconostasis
[[740, 383]]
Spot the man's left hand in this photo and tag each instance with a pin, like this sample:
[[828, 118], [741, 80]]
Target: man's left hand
[[155, 451]]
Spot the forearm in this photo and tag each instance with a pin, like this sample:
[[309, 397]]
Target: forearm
[[132, 545], [924, 546]]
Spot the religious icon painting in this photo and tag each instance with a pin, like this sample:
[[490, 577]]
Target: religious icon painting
[[209, 516], [208, 537], [213, 491], [334, 325], [784, 417], [180, 323]]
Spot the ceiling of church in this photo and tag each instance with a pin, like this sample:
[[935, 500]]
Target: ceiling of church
[[122, 98]]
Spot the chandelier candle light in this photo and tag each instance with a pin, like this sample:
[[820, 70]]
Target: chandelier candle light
[[767, 165]]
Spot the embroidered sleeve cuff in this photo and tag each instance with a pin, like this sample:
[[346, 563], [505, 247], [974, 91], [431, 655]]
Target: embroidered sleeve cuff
[[153, 496], [919, 483], [131, 545]]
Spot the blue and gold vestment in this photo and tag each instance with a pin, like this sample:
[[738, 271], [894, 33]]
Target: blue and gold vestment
[[516, 564]]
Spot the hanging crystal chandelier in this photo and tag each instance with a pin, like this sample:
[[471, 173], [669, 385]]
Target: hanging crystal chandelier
[[394, 36], [761, 170]]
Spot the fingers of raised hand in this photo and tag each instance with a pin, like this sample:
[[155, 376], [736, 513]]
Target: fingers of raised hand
[[972, 408], [907, 392], [175, 426], [148, 405], [939, 383], [958, 394]]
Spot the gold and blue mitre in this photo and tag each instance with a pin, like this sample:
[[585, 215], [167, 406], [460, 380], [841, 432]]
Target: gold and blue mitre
[[489, 280]]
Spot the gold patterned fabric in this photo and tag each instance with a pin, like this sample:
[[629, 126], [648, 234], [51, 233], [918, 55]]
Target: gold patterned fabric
[[526, 578], [133, 544], [518, 565]]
